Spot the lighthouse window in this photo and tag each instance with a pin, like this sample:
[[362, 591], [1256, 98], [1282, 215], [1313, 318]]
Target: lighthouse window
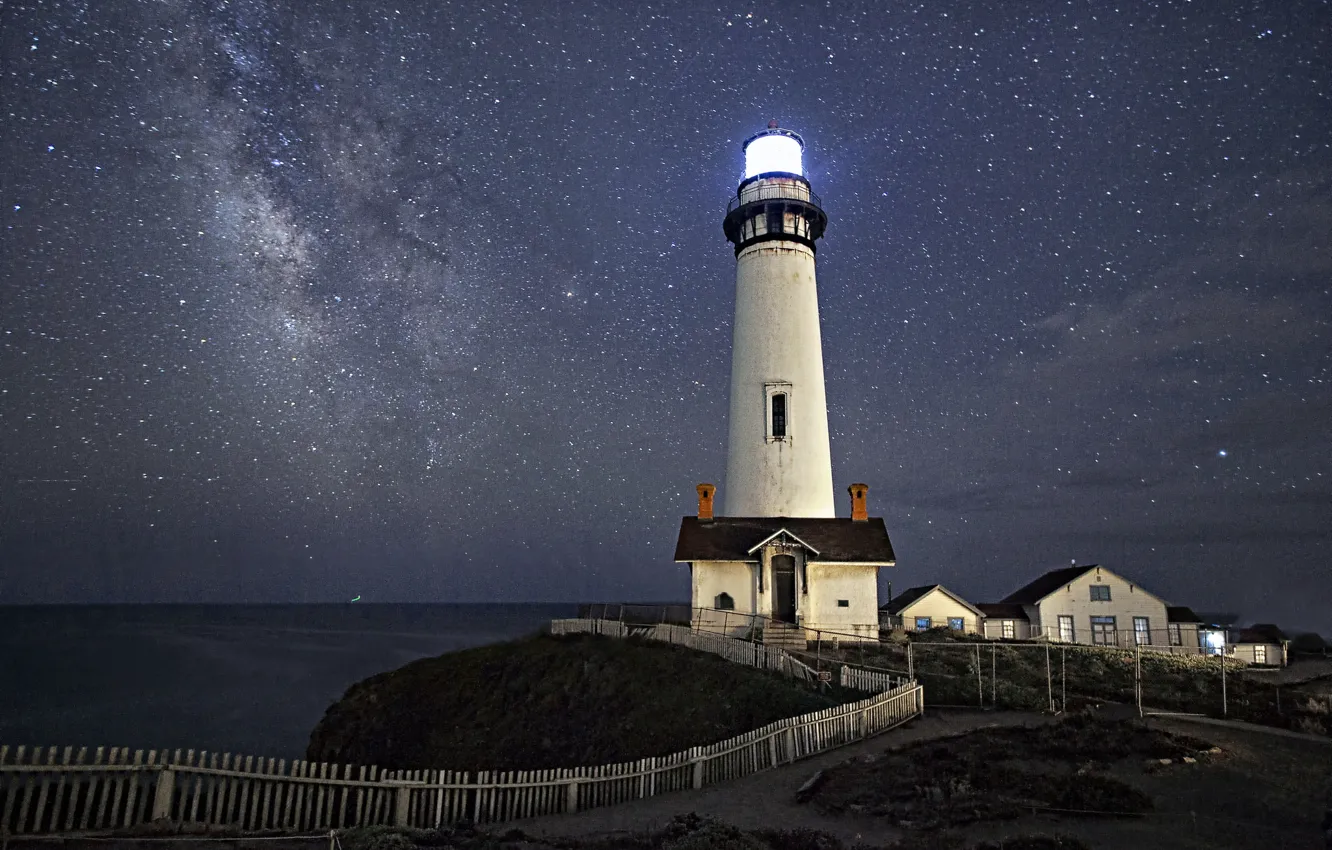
[[779, 415]]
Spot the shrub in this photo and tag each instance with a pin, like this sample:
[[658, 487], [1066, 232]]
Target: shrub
[[1309, 725]]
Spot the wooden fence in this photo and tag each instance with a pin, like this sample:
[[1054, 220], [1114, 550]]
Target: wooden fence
[[874, 681], [67, 792], [733, 649]]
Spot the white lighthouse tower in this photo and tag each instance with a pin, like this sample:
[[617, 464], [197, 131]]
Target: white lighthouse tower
[[778, 458], [779, 554]]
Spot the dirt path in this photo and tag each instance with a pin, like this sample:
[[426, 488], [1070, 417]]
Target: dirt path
[[767, 799]]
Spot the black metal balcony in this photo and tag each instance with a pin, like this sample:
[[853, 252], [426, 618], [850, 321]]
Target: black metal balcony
[[775, 192]]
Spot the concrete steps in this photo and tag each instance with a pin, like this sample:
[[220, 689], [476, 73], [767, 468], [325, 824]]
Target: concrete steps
[[783, 635]]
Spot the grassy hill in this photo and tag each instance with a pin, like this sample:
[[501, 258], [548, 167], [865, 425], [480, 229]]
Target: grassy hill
[[549, 702]]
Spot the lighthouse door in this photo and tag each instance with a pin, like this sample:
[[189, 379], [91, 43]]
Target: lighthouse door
[[783, 588]]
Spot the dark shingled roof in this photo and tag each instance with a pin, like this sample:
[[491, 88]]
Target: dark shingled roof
[[1180, 614], [1002, 610], [1044, 585], [905, 598], [731, 538], [1261, 633]]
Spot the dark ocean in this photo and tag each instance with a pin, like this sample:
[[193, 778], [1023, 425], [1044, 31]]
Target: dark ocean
[[251, 679]]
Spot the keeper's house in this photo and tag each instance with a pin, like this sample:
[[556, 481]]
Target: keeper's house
[[799, 575], [1090, 604]]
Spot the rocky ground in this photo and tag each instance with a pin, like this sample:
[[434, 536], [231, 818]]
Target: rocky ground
[[1000, 774], [1261, 790]]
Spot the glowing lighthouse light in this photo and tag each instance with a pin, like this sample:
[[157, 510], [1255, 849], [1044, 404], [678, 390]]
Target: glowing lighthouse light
[[770, 152]]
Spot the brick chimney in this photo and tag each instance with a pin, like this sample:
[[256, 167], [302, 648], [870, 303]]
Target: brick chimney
[[705, 494], [858, 510]]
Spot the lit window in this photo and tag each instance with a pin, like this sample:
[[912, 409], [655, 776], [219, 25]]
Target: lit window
[[922, 624], [1260, 655], [1010, 629], [956, 624], [779, 415], [1066, 628], [724, 602], [1142, 631], [1100, 593], [1176, 639]]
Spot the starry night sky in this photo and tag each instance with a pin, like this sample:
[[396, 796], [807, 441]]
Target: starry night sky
[[431, 302]]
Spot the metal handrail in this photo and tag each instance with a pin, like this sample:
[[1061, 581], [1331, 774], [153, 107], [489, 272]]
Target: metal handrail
[[773, 193], [688, 615]]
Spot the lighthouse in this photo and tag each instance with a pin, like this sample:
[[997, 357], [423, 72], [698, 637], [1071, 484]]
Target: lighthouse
[[778, 459], [778, 560]]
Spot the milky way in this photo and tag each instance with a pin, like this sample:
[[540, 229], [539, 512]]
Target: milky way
[[309, 300]]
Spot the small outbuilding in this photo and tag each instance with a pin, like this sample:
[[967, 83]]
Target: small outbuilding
[[931, 606], [1005, 621], [1262, 644]]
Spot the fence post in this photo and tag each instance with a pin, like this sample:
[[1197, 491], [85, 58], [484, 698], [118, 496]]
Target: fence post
[[1063, 678], [980, 684], [772, 750], [166, 788], [994, 676], [911, 661], [571, 798], [1137, 677], [698, 773], [1225, 709], [791, 741], [1049, 684], [402, 798]]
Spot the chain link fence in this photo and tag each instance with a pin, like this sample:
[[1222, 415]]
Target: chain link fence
[[1055, 677], [1037, 674]]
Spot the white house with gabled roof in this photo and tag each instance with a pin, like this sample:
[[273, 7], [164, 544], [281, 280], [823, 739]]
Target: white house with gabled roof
[[931, 606], [798, 578], [1093, 605]]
